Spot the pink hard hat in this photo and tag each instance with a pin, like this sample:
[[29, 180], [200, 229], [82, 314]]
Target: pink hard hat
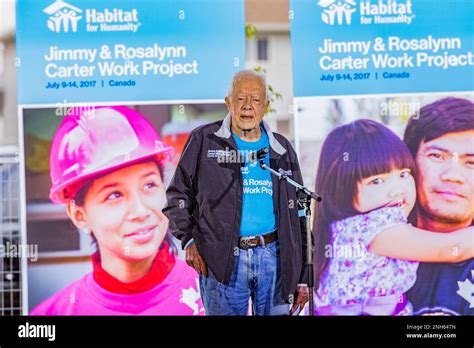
[[95, 140]]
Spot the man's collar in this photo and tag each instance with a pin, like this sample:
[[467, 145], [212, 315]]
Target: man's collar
[[225, 132]]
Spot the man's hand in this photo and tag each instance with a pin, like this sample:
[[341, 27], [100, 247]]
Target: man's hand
[[301, 299], [194, 259]]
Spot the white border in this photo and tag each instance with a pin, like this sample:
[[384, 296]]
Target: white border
[[134, 102], [382, 95], [23, 234], [296, 126]]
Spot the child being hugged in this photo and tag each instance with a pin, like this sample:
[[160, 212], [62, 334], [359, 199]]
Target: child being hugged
[[366, 254]]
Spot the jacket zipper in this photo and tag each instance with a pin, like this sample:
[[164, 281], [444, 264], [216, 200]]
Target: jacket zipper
[[239, 190]]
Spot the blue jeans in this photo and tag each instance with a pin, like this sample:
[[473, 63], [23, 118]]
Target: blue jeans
[[256, 275]]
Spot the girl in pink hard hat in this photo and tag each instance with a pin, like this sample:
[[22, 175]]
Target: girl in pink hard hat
[[106, 166]]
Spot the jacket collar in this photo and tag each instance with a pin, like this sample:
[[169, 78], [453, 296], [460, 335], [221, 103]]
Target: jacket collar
[[225, 132]]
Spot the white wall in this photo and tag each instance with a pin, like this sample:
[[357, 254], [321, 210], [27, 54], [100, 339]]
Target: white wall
[[7, 17]]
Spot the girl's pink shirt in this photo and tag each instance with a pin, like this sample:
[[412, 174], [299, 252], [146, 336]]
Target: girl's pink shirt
[[178, 294]]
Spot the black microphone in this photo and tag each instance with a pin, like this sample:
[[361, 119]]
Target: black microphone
[[258, 155], [262, 153]]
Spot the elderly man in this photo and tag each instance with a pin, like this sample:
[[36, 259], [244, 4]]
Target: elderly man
[[441, 140], [238, 225]]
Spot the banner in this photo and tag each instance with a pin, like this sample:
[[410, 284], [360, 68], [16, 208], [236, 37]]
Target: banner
[[384, 126], [162, 66], [346, 47], [94, 51]]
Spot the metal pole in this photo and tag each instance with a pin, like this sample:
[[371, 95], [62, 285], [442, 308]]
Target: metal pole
[[306, 202]]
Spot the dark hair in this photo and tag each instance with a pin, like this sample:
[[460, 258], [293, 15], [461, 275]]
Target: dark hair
[[448, 115], [350, 153], [79, 200]]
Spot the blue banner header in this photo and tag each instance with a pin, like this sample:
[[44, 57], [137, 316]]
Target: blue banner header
[[344, 47], [107, 51]]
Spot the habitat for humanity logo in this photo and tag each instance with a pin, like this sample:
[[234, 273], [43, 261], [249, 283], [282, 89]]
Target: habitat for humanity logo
[[341, 12], [64, 17], [337, 11]]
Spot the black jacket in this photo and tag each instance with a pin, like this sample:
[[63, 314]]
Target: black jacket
[[205, 202]]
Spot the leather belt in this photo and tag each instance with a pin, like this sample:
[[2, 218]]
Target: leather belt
[[255, 241]]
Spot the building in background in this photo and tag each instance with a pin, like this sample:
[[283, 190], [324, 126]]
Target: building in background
[[270, 49], [8, 109]]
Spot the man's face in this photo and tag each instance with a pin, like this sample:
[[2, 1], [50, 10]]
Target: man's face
[[247, 104], [446, 177]]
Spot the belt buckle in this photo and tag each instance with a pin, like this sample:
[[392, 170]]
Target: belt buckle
[[246, 243]]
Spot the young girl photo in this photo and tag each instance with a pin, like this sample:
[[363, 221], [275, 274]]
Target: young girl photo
[[106, 166], [366, 252]]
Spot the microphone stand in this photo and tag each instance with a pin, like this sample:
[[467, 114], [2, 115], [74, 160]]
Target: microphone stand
[[304, 200]]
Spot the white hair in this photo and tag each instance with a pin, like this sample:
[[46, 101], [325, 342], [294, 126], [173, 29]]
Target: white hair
[[245, 74]]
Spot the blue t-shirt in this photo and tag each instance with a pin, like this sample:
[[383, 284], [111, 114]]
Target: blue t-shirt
[[258, 213], [443, 289]]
